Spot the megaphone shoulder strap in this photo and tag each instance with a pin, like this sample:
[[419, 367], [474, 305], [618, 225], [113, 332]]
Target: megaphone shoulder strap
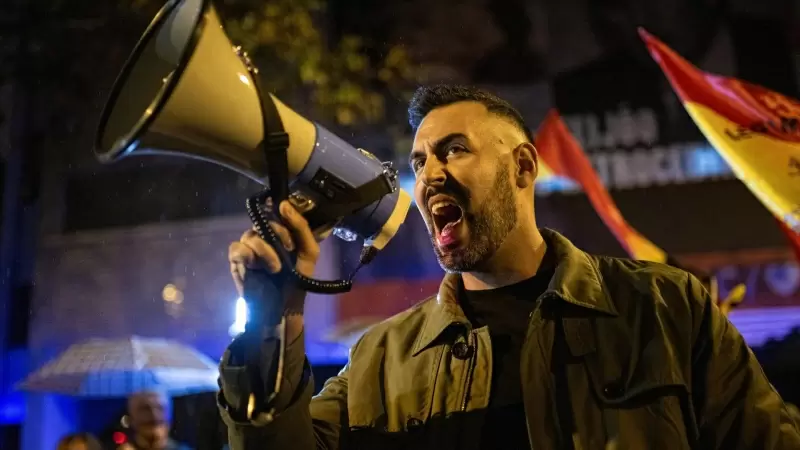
[[274, 145]]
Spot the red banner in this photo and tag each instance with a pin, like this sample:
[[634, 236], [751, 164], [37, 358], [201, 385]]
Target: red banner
[[562, 155], [755, 129]]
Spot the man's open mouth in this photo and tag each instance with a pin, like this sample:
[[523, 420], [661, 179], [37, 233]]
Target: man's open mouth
[[446, 215]]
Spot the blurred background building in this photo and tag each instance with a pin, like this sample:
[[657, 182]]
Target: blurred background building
[[140, 247]]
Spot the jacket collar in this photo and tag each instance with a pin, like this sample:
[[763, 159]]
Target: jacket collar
[[576, 281]]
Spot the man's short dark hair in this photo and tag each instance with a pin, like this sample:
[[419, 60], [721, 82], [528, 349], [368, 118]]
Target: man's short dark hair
[[428, 98]]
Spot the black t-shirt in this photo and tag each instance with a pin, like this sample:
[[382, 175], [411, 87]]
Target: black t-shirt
[[506, 311]]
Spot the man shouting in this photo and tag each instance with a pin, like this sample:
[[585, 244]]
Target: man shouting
[[530, 342]]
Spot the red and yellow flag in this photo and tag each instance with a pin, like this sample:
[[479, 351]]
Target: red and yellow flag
[[757, 131], [560, 154]]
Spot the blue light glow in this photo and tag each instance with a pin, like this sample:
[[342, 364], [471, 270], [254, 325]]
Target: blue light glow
[[704, 161], [698, 162], [12, 408], [12, 401], [407, 184], [240, 318], [556, 184]]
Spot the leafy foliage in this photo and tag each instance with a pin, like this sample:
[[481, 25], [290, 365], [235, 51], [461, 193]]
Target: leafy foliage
[[74, 45], [341, 82]]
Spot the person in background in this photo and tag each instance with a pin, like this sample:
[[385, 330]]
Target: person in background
[[79, 441], [149, 414]]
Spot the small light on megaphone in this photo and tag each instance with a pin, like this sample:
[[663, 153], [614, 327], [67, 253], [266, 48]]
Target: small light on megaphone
[[345, 234]]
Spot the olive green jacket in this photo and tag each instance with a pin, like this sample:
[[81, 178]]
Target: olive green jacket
[[627, 353]]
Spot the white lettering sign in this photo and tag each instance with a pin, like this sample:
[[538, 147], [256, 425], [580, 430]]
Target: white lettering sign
[[625, 152], [621, 128]]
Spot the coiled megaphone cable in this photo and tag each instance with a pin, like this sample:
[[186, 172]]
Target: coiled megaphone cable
[[261, 216]]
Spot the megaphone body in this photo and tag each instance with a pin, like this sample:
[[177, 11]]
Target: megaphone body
[[185, 91]]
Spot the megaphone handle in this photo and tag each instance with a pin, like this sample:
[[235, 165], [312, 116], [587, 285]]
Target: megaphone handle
[[264, 295], [261, 349], [261, 218]]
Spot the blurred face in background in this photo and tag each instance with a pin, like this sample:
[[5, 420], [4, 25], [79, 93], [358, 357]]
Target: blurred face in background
[[75, 445], [149, 419], [79, 441]]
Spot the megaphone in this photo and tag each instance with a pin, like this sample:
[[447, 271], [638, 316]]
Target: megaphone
[[187, 91]]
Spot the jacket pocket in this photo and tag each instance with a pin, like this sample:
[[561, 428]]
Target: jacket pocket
[[646, 411], [389, 394]]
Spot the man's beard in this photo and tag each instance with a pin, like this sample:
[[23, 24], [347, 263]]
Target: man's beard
[[488, 227]]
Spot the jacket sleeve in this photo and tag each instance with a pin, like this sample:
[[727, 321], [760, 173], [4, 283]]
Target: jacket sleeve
[[735, 405], [301, 422]]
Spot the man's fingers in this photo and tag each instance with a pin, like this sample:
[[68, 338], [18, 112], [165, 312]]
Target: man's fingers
[[239, 253], [283, 235], [281, 231], [237, 272], [248, 234], [306, 243], [322, 234], [266, 256], [253, 253]]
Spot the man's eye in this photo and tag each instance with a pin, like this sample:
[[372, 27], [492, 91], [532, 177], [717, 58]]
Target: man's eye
[[455, 149], [417, 164]]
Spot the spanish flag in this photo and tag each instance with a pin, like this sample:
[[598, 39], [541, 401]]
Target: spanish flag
[[757, 131], [560, 154]]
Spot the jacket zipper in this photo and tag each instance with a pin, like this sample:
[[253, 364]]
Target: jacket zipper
[[469, 371]]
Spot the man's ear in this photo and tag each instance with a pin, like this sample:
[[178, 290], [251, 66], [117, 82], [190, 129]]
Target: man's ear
[[527, 163]]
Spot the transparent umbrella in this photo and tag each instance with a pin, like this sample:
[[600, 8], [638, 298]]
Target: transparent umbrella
[[121, 367]]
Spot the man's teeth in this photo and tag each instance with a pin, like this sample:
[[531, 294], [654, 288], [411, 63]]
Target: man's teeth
[[436, 207]]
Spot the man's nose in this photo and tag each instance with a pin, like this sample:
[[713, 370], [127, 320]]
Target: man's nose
[[433, 172]]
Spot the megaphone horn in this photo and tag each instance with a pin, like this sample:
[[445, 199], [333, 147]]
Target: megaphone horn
[[187, 91]]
